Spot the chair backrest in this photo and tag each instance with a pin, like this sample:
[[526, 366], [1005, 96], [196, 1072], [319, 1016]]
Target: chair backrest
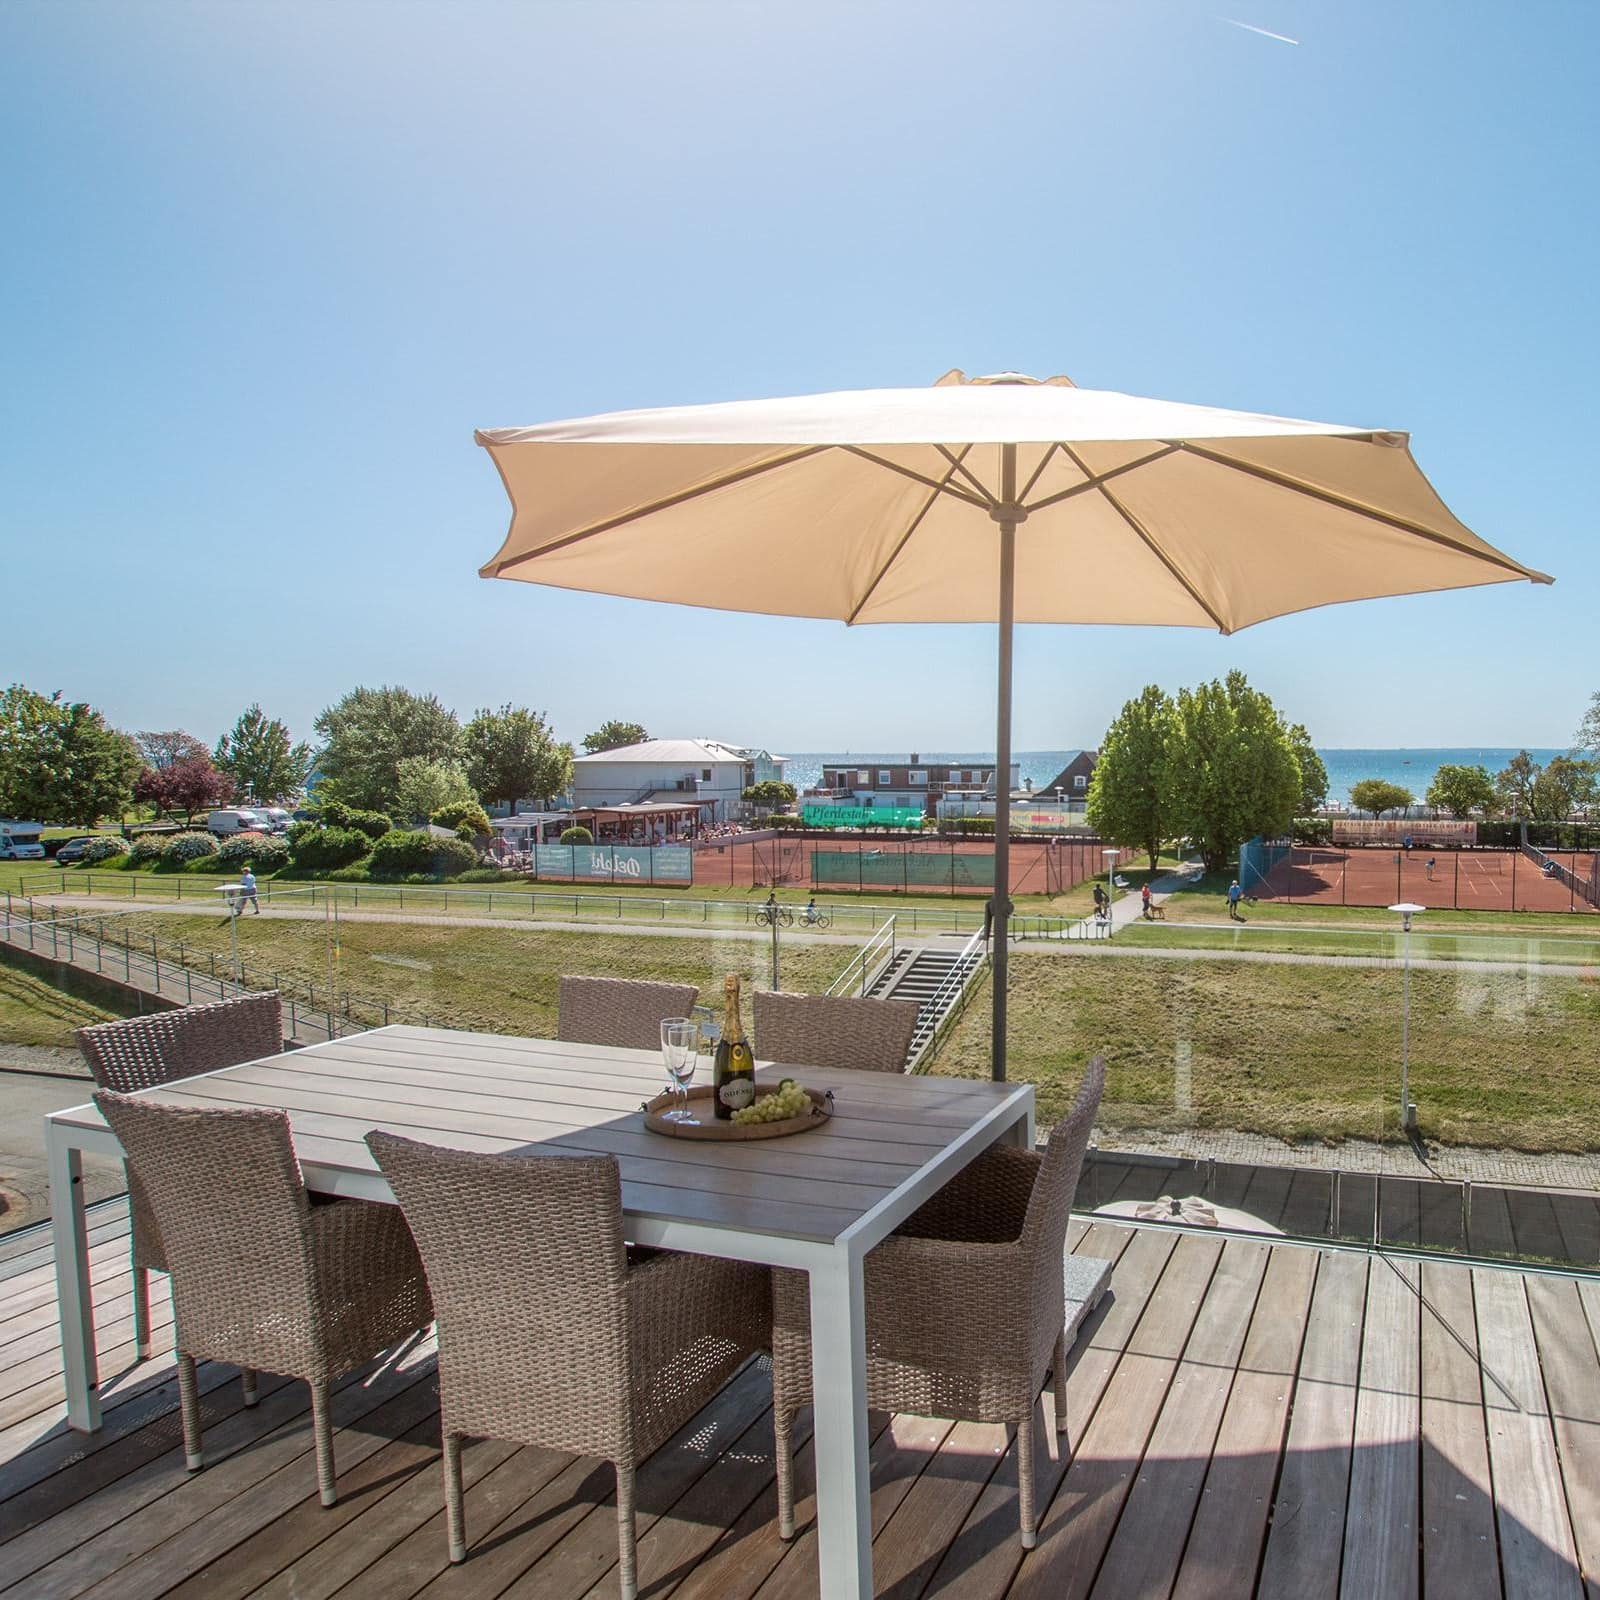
[[1050, 1205], [527, 1267], [232, 1211], [626, 1012], [830, 1030], [144, 1052]]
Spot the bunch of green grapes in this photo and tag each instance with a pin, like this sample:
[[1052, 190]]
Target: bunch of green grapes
[[788, 1100]]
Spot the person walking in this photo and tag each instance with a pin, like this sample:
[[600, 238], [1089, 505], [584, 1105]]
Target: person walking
[[1144, 900], [247, 891], [1099, 902], [1235, 895]]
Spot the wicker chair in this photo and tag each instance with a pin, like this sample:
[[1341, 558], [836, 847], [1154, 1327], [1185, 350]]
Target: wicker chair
[[145, 1052], [626, 1012], [260, 1277], [547, 1335], [965, 1303], [828, 1030]]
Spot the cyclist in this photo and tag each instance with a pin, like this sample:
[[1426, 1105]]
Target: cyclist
[[811, 910]]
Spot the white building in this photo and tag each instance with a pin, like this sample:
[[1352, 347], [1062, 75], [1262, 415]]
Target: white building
[[713, 773]]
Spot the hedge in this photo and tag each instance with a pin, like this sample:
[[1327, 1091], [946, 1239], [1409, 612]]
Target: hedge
[[183, 848], [322, 849], [103, 848], [263, 851], [406, 852]]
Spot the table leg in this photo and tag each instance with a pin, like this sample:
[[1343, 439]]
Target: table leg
[[1021, 1133], [70, 1241], [839, 1390]]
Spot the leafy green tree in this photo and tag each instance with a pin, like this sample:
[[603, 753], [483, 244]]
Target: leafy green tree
[[772, 794], [1378, 795], [1513, 785], [1129, 799], [60, 761], [424, 786], [1461, 790], [1313, 773], [190, 784], [613, 735], [576, 834], [1561, 788], [261, 758], [367, 734], [1588, 736], [462, 815], [512, 755], [1232, 771], [162, 750]]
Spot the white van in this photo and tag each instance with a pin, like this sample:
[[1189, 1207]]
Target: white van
[[237, 820], [21, 841]]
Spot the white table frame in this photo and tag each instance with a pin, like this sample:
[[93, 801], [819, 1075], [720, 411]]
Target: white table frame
[[835, 1271]]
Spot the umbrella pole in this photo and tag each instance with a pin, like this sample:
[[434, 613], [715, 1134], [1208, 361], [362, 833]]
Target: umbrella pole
[[1006, 515]]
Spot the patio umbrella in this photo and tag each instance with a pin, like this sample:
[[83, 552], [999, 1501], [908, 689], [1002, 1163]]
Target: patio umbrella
[[998, 500]]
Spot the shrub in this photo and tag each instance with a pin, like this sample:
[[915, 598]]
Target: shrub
[[182, 848], [576, 836], [489, 875], [266, 852], [356, 872], [103, 848], [786, 819], [404, 852], [461, 814], [322, 849], [148, 846], [372, 823]]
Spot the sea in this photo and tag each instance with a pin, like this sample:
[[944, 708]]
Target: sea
[[1412, 769]]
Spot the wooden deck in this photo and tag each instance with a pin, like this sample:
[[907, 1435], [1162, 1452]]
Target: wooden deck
[[1244, 1418]]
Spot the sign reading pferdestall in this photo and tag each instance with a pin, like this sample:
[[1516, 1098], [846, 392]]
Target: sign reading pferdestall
[[615, 863], [824, 816]]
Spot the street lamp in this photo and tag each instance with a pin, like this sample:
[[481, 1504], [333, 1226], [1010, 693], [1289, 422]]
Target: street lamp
[[1408, 1112]]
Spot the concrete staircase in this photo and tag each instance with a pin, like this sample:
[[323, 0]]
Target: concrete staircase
[[938, 978]]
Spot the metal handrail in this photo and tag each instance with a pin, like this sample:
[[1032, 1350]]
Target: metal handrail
[[861, 967], [959, 980]]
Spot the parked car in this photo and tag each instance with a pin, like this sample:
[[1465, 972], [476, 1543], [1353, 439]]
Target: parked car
[[73, 849], [277, 818], [237, 819], [21, 841]]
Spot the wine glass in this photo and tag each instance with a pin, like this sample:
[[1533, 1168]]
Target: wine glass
[[680, 1051]]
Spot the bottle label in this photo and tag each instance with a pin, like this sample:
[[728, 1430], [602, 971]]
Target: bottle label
[[737, 1093]]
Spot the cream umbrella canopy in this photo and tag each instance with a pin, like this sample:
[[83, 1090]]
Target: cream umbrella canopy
[[1002, 499]]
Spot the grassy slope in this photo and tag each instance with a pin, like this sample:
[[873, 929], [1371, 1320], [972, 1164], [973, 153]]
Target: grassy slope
[[32, 1012], [1307, 1051]]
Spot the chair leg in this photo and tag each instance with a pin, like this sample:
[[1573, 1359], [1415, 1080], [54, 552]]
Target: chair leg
[[252, 1389], [455, 1519], [783, 1449], [1030, 1528], [627, 1556], [322, 1435], [189, 1406], [1058, 1379], [141, 1312]]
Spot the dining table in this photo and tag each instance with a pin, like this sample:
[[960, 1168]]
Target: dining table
[[817, 1201]]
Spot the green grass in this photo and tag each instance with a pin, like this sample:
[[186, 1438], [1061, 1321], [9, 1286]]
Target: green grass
[[492, 979], [33, 1012], [1487, 944], [1303, 1052]]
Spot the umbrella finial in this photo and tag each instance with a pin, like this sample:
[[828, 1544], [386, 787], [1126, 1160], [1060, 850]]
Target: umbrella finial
[[956, 375]]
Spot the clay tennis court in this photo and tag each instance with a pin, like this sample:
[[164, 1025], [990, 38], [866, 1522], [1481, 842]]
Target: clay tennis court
[[1459, 880]]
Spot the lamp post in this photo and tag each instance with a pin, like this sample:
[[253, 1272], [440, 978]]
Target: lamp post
[[1408, 1112]]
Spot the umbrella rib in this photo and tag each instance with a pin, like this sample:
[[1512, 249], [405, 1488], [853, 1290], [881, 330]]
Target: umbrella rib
[[957, 461], [941, 485], [1038, 472], [1151, 545], [905, 538], [664, 504], [1284, 480], [1092, 481]]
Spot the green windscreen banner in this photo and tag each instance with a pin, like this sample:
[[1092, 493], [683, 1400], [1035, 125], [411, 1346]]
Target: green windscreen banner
[[903, 869], [821, 816]]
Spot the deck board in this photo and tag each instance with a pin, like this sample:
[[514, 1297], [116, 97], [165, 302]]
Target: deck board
[[1243, 1418]]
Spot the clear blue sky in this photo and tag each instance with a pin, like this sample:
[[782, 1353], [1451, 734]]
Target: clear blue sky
[[267, 266]]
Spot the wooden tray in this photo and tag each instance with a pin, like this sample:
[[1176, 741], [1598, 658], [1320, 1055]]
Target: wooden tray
[[710, 1128]]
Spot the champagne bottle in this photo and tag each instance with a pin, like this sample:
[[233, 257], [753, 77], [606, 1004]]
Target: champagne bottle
[[733, 1074]]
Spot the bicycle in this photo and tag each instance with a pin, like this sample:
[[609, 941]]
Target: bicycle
[[815, 918], [781, 915]]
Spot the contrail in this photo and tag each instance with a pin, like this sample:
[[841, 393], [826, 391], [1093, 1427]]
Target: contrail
[[1266, 33]]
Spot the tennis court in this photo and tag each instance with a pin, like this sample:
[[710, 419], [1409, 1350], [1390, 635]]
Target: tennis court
[[1442, 878]]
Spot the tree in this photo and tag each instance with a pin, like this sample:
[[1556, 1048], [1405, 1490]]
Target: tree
[[1313, 774], [61, 761], [190, 785], [1232, 772], [264, 763], [1513, 785], [772, 794], [369, 732], [1129, 798], [1378, 795], [511, 755], [1588, 735], [1565, 784], [424, 786], [1461, 790], [463, 817], [160, 750], [613, 735]]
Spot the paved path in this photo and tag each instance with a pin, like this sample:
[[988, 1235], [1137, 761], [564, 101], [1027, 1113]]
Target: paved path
[[25, 1098]]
